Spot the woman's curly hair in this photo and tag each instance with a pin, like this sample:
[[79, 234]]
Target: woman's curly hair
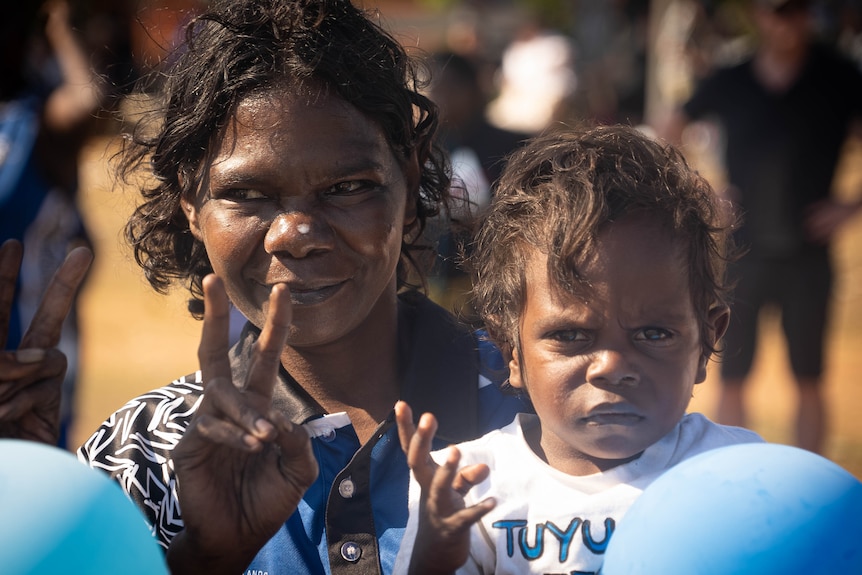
[[560, 191], [243, 47]]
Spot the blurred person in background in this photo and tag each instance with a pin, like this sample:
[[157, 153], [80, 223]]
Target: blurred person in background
[[537, 80], [477, 149], [785, 114], [50, 97]]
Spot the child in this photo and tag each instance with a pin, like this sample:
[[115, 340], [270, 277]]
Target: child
[[600, 274]]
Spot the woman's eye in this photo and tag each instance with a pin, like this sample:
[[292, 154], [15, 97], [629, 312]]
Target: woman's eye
[[349, 188], [240, 194]]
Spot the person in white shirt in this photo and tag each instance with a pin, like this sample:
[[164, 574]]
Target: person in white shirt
[[600, 273]]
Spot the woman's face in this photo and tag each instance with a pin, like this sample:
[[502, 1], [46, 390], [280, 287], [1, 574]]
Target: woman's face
[[310, 195]]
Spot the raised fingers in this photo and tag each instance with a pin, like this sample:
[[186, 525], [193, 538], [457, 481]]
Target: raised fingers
[[448, 478], [469, 476], [23, 368], [228, 418], [11, 253], [47, 323], [419, 450], [266, 359], [235, 415], [406, 428], [215, 339]]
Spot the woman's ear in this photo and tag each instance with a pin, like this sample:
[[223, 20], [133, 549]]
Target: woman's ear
[[191, 213], [190, 210], [717, 321], [412, 176]]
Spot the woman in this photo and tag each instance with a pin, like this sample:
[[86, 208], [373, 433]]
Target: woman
[[294, 160]]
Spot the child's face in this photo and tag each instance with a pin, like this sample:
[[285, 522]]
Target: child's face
[[611, 376], [308, 195]]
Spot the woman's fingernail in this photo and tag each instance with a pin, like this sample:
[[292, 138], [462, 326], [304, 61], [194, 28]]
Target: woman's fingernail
[[30, 355], [263, 427]]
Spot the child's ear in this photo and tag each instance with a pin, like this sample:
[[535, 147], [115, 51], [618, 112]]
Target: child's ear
[[717, 321], [515, 370]]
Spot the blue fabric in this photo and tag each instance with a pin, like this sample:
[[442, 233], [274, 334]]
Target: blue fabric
[[22, 187], [300, 547]]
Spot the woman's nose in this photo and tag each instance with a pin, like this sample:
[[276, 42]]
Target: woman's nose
[[297, 233], [610, 367]]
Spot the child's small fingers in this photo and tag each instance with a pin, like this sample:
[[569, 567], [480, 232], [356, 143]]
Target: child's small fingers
[[468, 516], [419, 451], [406, 428], [445, 474], [470, 476]]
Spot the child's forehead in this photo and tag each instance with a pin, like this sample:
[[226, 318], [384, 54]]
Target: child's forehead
[[618, 246]]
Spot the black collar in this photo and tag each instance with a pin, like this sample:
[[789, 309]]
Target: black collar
[[438, 363]]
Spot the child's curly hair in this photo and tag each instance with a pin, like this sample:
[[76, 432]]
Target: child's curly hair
[[558, 193]]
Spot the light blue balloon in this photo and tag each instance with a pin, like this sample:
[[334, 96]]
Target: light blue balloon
[[60, 516], [757, 508]]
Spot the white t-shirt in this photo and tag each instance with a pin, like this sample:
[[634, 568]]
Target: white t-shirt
[[547, 521]]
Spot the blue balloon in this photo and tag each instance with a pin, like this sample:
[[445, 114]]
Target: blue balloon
[[756, 508], [60, 516]]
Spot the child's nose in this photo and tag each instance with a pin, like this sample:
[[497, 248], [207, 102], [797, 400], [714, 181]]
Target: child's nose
[[297, 233], [609, 367]]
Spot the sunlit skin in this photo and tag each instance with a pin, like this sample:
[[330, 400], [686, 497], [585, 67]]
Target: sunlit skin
[[610, 376], [310, 195]]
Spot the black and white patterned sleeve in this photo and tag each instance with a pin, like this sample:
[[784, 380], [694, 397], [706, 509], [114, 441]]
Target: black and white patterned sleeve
[[134, 444]]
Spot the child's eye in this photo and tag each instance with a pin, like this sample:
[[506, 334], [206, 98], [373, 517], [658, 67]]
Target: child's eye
[[569, 335], [654, 334]]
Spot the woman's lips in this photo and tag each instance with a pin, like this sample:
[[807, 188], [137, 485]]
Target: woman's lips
[[311, 296]]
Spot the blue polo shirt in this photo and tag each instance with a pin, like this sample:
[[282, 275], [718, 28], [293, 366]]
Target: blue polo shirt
[[352, 518]]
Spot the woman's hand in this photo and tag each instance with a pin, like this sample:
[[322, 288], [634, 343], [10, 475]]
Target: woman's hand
[[242, 467], [443, 536], [31, 378]]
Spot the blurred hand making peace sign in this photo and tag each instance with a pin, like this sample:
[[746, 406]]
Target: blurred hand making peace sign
[[31, 377]]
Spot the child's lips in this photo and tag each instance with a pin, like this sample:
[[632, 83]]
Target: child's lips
[[613, 415], [626, 419]]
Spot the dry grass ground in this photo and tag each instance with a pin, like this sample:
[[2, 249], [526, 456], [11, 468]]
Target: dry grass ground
[[135, 340]]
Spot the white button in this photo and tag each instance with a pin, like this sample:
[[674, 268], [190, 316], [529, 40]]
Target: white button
[[328, 435], [351, 552], [346, 488]]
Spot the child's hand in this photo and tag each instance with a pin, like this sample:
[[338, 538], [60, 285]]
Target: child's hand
[[443, 537]]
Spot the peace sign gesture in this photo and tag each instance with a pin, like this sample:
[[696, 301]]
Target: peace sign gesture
[[242, 466], [31, 377]]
